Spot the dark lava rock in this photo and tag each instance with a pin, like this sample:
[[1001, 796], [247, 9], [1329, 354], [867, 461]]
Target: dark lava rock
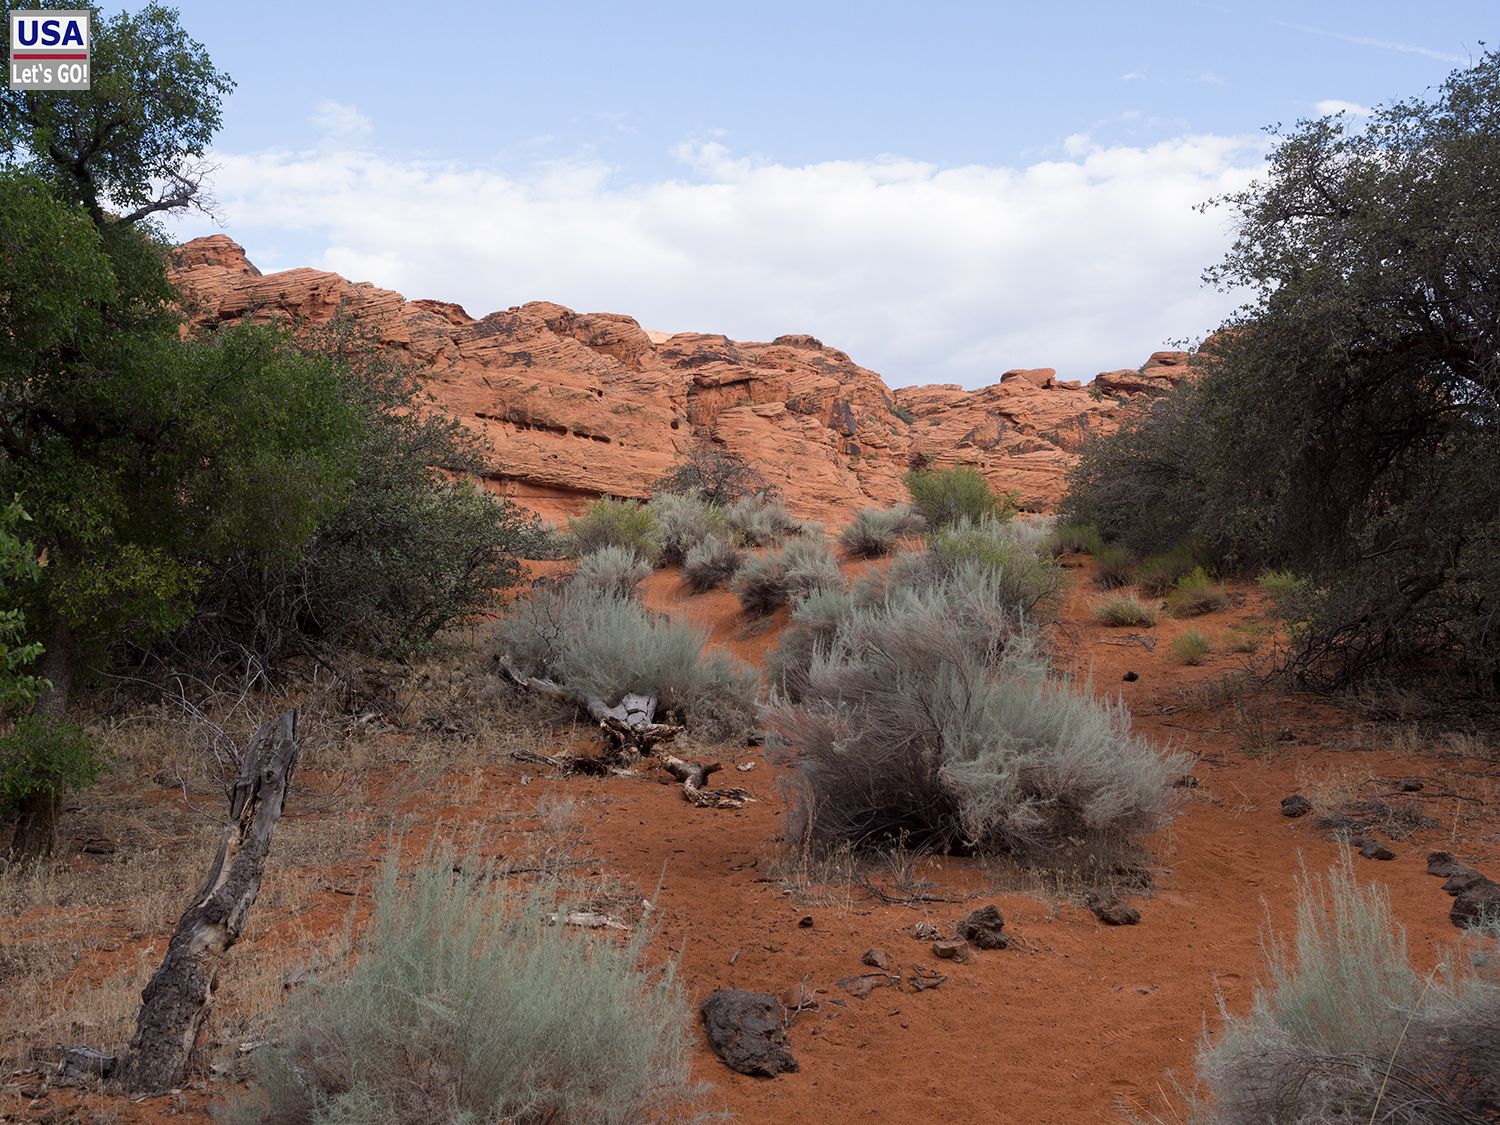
[[1410, 785], [1443, 863], [1374, 849], [985, 928], [1295, 805], [954, 949], [1130, 677], [744, 1029], [1114, 912], [876, 959], [1464, 879], [1479, 905]]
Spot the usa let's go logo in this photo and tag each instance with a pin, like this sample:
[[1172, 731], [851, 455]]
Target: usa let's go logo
[[49, 50]]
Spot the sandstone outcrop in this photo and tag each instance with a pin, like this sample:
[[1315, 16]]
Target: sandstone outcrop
[[572, 405]]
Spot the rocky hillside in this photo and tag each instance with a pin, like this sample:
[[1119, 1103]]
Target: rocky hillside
[[577, 404]]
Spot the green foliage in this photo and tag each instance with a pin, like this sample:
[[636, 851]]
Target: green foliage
[[618, 571], [44, 757], [465, 1001], [18, 687], [615, 523], [682, 522], [944, 496], [712, 473], [1244, 637], [1344, 1030], [1157, 575], [1125, 611], [1191, 647], [874, 532], [1112, 567], [604, 646], [1002, 548], [765, 583], [1195, 594], [904, 414], [711, 564], [1074, 538], [1371, 256]]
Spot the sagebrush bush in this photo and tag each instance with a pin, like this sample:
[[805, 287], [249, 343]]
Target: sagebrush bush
[[614, 523], [944, 496], [918, 711], [1125, 610], [1191, 647], [765, 583], [1075, 538], [874, 532], [1002, 547], [1112, 567], [612, 570], [461, 1002], [603, 646], [1156, 575], [682, 522], [712, 563], [759, 521], [1344, 1030], [1195, 594]]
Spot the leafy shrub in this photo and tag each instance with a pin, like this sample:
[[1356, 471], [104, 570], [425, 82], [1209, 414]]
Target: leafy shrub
[[18, 687], [1345, 1030], [874, 532], [41, 759], [612, 570], [1156, 576], [1191, 647], [712, 563], [615, 523], [759, 521], [1125, 610], [903, 413], [603, 646], [926, 718], [767, 582], [461, 1002], [944, 496], [1030, 582], [682, 522], [712, 473], [1112, 567], [1075, 538], [1195, 594]]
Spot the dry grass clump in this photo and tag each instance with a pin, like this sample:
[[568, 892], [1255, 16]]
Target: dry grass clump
[[1155, 576], [711, 564], [875, 532], [1074, 538], [1125, 611], [1195, 594], [1191, 647], [765, 583]]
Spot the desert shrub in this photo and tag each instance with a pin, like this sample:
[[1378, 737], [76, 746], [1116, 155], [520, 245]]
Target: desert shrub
[[1244, 638], [1112, 567], [1029, 582], [1191, 647], [43, 758], [1344, 1030], [612, 570], [711, 563], [815, 620], [1032, 532], [603, 646], [767, 582], [709, 472], [614, 523], [1156, 575], [463, 1002], [943, 496], [1075, 538], [874, 532], [682, 522], [759, 521], [1195, 594], [1125, 610]]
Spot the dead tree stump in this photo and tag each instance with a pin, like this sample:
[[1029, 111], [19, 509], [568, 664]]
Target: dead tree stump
[[177, 1001]]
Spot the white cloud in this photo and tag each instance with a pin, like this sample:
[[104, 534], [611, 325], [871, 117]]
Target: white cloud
[[1132, 76], [1381, 44], [340, 122], [1330, 106], [1209, 78], [924, 273]]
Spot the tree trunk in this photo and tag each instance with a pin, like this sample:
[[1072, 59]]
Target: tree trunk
[[176, 1003], [36, 829], [36, 826]]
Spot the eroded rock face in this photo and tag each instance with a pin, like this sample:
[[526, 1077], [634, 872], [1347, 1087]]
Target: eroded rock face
[[573, 405]]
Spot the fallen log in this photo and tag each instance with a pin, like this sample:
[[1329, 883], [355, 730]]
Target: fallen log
[[628, 724], [176, 1003]]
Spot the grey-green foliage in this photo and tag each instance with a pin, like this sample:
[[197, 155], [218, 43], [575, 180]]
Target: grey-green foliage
[[1006, 549], [612, 570], [682, 522], [759, 521], [874, 532], [605, 646], [462, 1002], [765, 583], [614, 523], [1345, 1030], [712, 563]]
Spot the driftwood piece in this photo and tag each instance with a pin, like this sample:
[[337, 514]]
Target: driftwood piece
[[694, 776], [176, 1003], [629, 723]]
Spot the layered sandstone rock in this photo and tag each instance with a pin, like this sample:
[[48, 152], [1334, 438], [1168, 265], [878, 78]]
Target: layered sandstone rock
[[572, 405]]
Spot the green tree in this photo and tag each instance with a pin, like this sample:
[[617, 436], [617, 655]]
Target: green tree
[[1348, 424]]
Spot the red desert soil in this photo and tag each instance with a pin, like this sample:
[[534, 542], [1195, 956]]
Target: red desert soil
[[1076, 1020]]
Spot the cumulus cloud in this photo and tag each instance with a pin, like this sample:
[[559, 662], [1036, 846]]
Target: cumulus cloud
[[1329, 106], [924, 273], [339, 121]]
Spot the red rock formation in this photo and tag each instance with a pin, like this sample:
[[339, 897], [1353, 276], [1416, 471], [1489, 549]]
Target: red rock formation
[[572, 404]]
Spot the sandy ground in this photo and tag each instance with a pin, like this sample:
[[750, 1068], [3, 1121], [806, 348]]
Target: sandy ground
[[1075, 1021]]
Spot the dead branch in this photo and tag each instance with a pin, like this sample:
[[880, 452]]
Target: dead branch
[[695, 775]]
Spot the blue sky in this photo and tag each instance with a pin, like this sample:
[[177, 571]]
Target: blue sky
[[944, 190]]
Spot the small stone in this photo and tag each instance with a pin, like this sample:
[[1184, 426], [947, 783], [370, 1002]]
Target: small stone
[[1114, 912], [1130, 677], [744, 1029], [876, 959], [1295, 805], [985, 928], [1374, 849], [1411, 785], [954, 949], [1477, 905], [1464, 879], [805, 921], [1444, 864], [1187, 781]]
